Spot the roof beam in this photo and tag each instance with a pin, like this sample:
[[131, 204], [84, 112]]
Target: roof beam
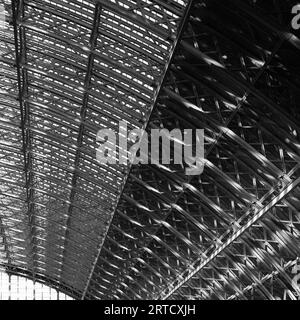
[[83, 111], [20, 46], [158, 91]]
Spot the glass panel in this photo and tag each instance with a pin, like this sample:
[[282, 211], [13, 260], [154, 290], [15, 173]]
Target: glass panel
[[21, 288]]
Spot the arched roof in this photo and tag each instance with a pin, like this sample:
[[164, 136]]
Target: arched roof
[[71, 68]]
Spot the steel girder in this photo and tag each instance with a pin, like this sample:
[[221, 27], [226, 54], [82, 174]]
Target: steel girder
[[69, 69]]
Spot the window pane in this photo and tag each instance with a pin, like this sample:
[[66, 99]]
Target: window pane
[[21, 288], [4, 285]]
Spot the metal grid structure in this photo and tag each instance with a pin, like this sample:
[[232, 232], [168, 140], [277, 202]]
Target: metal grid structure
[[17, 287], [70, 68]]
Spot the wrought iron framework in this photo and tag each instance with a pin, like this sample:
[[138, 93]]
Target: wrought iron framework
[[70, 68]]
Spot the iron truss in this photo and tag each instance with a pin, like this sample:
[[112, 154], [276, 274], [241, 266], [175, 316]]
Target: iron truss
[[70, 68]]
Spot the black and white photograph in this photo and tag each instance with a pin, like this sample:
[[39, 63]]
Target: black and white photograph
[[149, 153]]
